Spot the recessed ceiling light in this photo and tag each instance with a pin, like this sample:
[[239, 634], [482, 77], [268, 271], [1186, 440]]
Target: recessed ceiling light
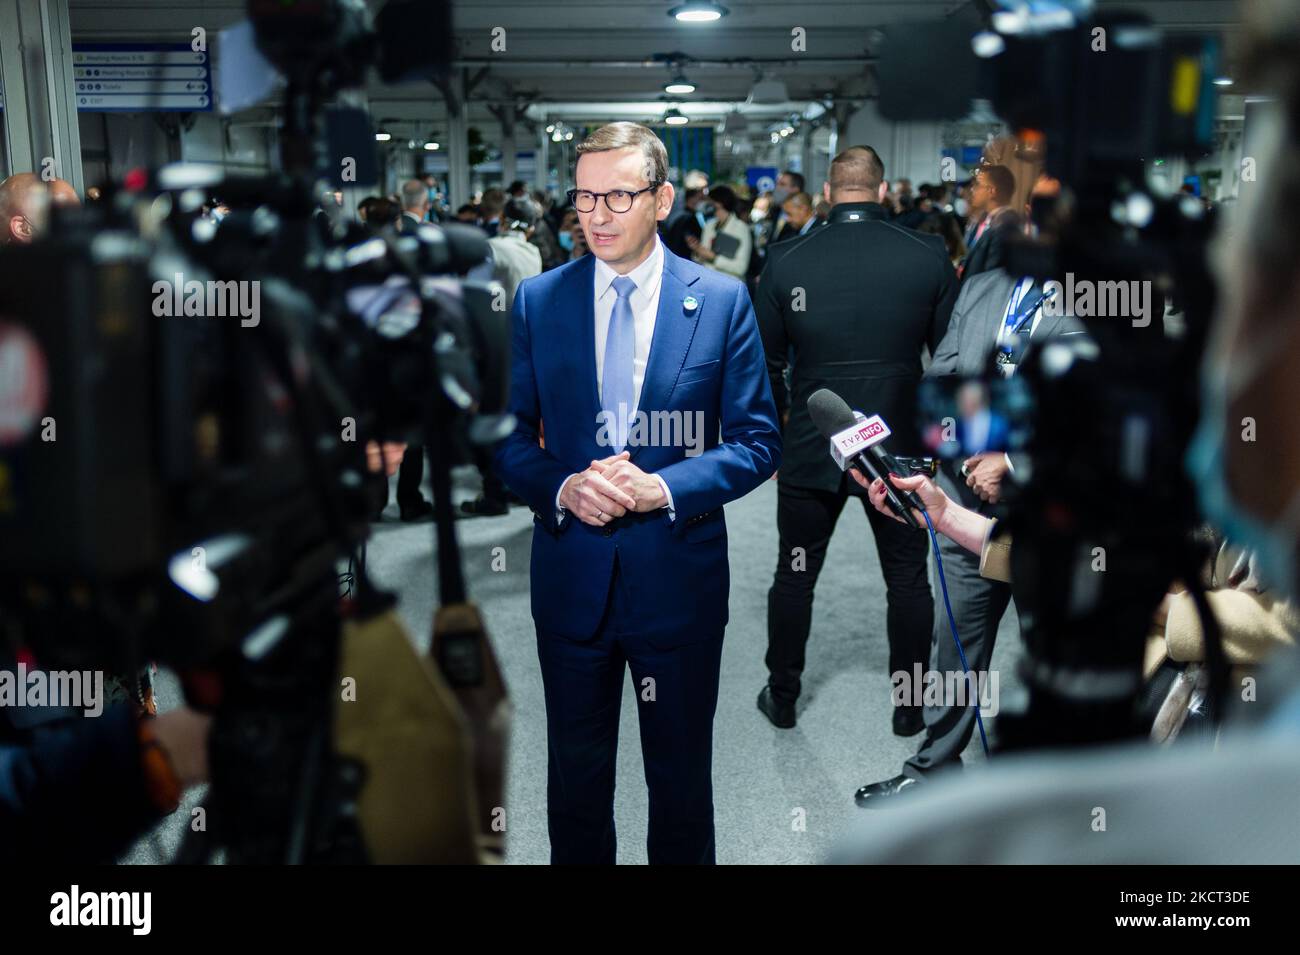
[[698, 12], [1223, 81]]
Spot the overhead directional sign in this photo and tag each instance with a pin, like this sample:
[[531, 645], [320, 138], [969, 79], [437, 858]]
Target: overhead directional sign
[[141, 77]]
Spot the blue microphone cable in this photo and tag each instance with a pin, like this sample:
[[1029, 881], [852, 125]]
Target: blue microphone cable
[[952, 623]]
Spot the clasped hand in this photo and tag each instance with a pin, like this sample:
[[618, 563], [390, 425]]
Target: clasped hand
[[609, 488]]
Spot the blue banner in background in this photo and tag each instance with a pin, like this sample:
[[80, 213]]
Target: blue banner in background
[[761, 178]]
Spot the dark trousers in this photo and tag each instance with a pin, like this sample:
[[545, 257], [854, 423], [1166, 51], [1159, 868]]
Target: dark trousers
[[410, 473], [494, 489], [805, 519], [977, 606], [676, 693]]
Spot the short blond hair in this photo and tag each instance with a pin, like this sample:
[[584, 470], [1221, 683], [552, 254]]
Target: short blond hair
[[630, 135]]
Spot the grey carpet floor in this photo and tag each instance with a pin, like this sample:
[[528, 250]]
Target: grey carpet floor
[[780, 796]]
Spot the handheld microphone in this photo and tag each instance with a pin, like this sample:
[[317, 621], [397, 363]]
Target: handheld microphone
[[855, 442]]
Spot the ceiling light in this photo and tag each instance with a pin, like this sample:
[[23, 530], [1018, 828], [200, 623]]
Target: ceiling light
[[679, 84], [698, 11], [987, 44], [675, 117], [1223, 81], [769, 90], [431, 146], [383, 136]]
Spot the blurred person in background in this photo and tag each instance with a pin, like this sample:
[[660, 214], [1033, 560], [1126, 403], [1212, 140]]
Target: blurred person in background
[[787, 184], [435, 197], [990, 198], [25, 201], [493, 201], [415, 205], [683, 223], [515, 256], [725, 243], [381, 213], [945, 226], [798, 216]]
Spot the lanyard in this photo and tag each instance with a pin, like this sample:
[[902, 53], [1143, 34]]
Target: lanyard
[[1020, 311]]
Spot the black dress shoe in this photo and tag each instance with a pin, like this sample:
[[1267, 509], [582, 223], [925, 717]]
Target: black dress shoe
[[877, 795], [483, 507], [780, 714], [420, 511], [908, 720]]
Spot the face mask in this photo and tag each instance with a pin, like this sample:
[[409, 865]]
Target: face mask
[[566, 241], [779, 196], [756, 215], [433, 196], [961, 207], [1273, 544], [706, 212]]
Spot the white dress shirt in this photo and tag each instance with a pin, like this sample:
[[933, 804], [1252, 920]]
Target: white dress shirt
[[648, 277], [644, 300], [1018, 293]]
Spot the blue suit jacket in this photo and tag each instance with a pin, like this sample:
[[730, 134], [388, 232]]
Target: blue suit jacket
[[707, 360]]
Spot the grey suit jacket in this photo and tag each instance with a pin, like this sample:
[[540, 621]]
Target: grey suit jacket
[[976, 317], [964, 350]]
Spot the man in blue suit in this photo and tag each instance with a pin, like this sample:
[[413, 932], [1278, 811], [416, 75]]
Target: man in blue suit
[[643, 406]]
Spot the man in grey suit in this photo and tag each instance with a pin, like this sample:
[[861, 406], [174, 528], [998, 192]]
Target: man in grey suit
[[990, 307]]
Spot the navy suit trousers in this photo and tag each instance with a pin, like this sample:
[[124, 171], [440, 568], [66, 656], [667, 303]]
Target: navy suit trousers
[[677, 695]]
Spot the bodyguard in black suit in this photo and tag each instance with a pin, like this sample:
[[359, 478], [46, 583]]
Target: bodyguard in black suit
[[854, 301]]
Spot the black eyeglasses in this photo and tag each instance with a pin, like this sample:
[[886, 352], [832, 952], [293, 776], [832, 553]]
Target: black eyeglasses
[[620, 200]]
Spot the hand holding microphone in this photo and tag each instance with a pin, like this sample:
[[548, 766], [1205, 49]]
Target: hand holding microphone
[[855, 443], [931, 495]]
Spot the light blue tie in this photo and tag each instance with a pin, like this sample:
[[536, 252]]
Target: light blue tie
[[618, 391]]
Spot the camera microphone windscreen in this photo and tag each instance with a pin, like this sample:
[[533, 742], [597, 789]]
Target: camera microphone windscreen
[[829, 412]]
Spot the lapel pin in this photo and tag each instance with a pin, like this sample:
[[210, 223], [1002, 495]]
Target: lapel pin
[[690, 304]]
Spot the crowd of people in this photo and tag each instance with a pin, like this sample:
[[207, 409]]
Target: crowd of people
[[866, 288]]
